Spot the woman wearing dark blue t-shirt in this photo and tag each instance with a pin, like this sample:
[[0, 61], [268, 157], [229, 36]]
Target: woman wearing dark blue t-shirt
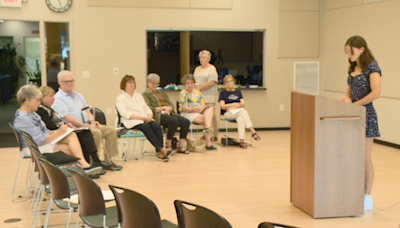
[[232, 107]]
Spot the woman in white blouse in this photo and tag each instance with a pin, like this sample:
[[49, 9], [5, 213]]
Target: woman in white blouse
[[137, 115]]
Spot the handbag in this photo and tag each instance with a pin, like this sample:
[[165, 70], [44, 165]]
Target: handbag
[[196, 145], [231, 142], [60, 157]]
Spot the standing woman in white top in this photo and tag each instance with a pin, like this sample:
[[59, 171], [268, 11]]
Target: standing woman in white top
[[135, 114], [206, 77]]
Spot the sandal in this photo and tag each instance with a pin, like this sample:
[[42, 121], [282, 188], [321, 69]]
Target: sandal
[[170, 152], [257, 137], [243, 145], [162, 157], [182, 150]]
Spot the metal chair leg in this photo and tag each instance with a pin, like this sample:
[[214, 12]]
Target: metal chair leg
[[46, 222], [16, 177], [36, 214], [35, 194], [106, 154]]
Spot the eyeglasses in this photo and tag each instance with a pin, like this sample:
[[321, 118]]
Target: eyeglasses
[[131, 82], [155, 83], [37, 99], [70, 81]]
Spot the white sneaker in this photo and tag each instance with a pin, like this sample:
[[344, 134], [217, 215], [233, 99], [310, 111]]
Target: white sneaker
[[368, 205]]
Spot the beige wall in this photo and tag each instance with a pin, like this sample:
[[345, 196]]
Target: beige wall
[[299, 28], [379, 31], [106, 37]]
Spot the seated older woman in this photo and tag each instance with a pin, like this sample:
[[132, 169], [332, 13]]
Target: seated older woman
[[137, 115], [192, 107], [164, 113], [27, 120], [54, 121], [232, 107]]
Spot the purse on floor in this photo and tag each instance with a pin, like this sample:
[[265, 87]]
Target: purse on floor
[[231, 142], [196, 145]]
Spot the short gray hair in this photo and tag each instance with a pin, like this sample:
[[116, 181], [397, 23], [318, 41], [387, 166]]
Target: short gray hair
[[27, 91], [64, 73], [187, 77], [206, 53], [153, 77]]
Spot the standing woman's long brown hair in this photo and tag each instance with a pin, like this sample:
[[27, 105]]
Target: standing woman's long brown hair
[[365, 58]]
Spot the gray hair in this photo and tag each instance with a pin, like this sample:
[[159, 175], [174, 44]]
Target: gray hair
[[27, 91], [187, 77], [153, 77], [206, 53], [64, 73]]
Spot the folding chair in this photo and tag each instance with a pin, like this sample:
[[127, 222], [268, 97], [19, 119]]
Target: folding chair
[[92, 208], [61, 189], [136, 210], [199, 217], [22, 155], [274, 225], [226, 127], [132, 133], [99, 116]]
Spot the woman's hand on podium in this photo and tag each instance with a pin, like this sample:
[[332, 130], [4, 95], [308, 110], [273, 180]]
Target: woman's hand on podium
[[346, 99]]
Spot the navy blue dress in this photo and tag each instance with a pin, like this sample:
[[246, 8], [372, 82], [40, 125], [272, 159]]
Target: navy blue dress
[[360, 87]]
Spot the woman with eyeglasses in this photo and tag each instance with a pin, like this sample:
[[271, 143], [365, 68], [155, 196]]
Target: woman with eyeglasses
[[232, 107], [164, 113], [192, 106], [135, 114], [27, 120]]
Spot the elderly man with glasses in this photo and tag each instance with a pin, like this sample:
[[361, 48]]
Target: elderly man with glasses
[[69, 105]]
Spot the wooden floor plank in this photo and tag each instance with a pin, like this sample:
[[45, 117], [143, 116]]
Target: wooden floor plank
[[247, 187]]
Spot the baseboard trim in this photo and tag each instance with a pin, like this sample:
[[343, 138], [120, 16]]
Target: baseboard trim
[[259, 129], [377, 141], [389, 144]]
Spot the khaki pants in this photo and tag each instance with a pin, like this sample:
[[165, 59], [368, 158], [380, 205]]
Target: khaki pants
[[214, 122], [110, 135], [243, 121]]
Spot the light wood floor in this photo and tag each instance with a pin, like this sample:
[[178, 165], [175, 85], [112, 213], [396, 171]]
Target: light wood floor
[[245, 186]]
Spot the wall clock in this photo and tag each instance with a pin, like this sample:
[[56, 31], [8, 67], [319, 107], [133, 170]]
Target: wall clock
[[59, 6]]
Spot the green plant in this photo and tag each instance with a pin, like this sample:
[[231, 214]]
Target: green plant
[[35, 77], [11, 63]]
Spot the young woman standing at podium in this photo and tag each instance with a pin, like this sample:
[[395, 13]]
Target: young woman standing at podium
[[364, 86]]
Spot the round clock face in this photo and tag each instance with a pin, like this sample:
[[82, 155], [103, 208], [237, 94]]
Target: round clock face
[[59, 6]]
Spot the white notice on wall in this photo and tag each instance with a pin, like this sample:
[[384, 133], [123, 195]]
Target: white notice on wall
[[11, 3]]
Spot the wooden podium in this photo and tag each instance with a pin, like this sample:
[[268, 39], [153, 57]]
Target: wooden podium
[[327, 156]]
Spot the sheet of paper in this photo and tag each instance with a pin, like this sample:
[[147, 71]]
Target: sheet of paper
[[56, 140], [82, 128], [236, 110], [107, 195]]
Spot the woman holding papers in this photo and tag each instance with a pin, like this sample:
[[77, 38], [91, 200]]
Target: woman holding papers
[[137, 115], [232, 107], [364, 86], [54, 121], [27, 120]]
